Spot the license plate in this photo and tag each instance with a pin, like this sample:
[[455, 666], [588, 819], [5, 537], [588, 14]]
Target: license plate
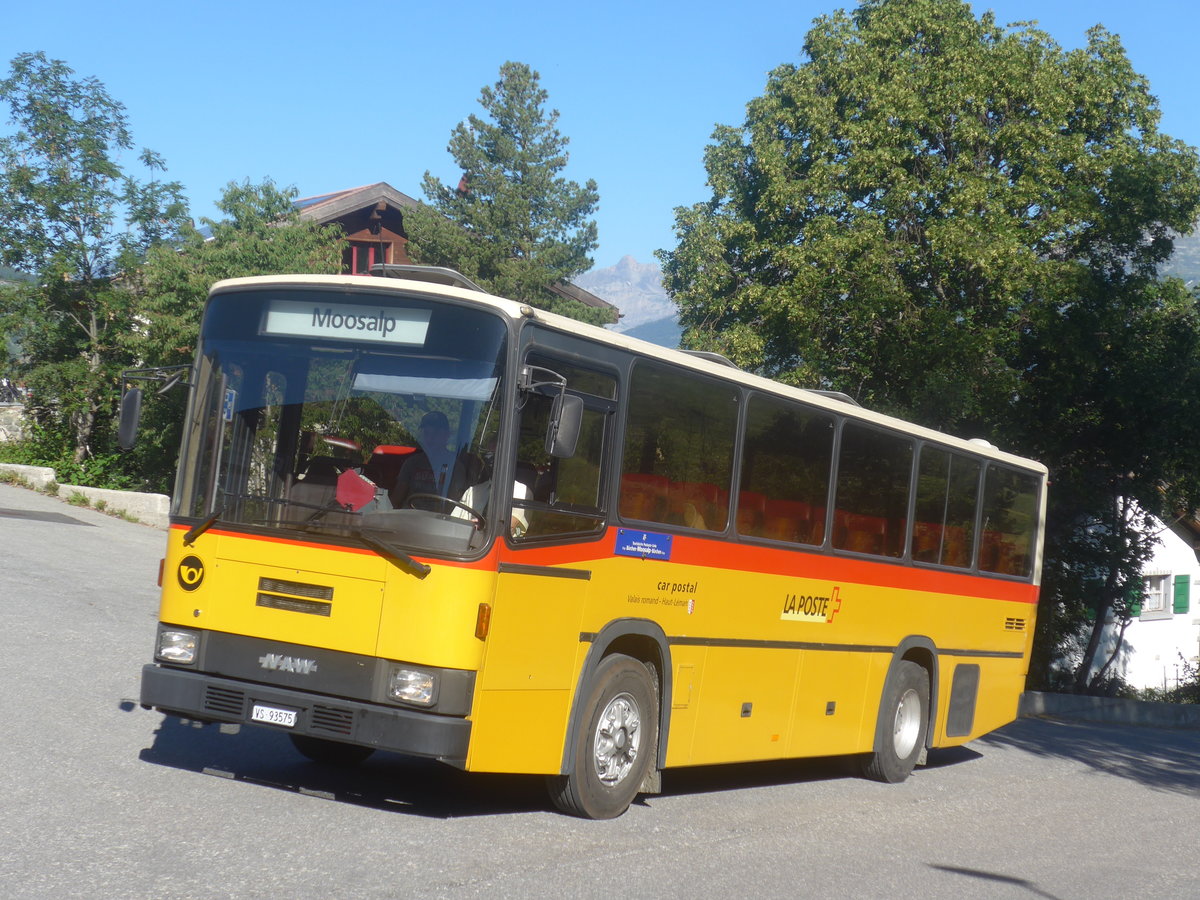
[[273, 715]]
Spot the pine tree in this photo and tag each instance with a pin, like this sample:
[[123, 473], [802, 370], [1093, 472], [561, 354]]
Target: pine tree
[[513, 223]]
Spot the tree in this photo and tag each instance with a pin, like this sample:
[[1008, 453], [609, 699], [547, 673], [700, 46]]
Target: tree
[[71, 213], [261, 233], [931, 214], [1108, 401], [513, 223]]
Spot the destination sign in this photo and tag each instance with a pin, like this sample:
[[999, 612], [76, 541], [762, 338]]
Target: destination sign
[[380, 324]]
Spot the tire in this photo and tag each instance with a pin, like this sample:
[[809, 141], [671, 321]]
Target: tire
[[616, 745], [330, 753], [903, 725]]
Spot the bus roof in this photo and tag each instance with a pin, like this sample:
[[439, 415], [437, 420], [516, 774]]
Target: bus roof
[[700, 363]]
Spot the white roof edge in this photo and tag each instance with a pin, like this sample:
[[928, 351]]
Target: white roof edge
[[515, 310]]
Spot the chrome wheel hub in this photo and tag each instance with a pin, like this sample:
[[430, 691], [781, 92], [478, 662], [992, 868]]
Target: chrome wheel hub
[[617, 740], [907, 727]]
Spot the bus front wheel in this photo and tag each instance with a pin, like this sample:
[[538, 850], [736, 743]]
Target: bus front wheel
[[903, 723], [616, 744]]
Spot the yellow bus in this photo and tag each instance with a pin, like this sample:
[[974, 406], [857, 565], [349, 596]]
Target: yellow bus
[[413, 517]]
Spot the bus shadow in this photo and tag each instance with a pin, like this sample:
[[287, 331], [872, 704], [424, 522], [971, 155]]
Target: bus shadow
[[419, 787], [776, 773], [386, 781]]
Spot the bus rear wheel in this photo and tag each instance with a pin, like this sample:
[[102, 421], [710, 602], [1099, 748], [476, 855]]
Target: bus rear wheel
[[903, 724], [616, 745], [330, 753]]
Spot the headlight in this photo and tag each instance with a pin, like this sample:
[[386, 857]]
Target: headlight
[[176, 647], [412, 686]]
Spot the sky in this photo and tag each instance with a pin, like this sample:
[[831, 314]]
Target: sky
[[324, 96]]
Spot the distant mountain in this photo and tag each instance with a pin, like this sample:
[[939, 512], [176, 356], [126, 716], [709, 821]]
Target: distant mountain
[[634, 288], [664, 332], [646, 313], [12, 276], [1185, 263]]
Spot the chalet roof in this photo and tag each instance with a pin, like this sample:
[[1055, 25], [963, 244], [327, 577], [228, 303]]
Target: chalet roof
[[326, 207]]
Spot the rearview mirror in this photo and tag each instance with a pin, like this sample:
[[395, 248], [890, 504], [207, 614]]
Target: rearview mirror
[[566, 419], [131, 414]]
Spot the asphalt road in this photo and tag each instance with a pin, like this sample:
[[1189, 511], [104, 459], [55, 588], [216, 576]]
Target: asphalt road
[[99, 798]]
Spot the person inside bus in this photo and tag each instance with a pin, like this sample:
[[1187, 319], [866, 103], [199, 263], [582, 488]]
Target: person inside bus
[[477, 497], [435, 468]]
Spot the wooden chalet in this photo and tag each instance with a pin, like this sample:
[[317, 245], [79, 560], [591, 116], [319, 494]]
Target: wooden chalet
[[372, 218]]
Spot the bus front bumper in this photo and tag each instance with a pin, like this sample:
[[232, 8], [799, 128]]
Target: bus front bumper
[[209, 698]]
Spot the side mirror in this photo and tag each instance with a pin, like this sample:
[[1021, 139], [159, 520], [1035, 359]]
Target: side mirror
[[131, 414], [566, 420]]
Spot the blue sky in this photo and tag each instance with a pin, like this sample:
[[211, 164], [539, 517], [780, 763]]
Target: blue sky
[[326, 96]]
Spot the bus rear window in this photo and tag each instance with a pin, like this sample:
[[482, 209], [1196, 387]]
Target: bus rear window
[[1010, 513]]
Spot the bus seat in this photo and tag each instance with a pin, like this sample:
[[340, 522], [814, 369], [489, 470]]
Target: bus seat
[[384, 465], [694, 504], [860, 533], [998, 553], [927, 541], [644, 496], [787, 520], [956, 551], [751, 508]]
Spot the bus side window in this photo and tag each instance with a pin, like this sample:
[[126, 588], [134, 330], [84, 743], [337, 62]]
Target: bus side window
[[947, 497], [874, 474], [785, 472], [563, 496], [678, 453]]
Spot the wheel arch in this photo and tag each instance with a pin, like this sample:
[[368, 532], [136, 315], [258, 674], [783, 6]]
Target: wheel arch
[[921, 650], [642, 640]]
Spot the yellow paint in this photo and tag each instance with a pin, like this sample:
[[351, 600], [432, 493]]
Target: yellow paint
[[803, 698], [519, 731], [530, 667]]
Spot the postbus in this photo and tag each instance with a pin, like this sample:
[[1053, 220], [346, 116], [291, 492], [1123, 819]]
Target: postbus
[[413, 517]]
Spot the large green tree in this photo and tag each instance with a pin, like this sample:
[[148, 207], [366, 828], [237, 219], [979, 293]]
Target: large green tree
[[260, 232], [73, 214], [933, 214], [513, 223]]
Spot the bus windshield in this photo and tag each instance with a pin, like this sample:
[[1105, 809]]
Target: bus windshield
[[347, 414]]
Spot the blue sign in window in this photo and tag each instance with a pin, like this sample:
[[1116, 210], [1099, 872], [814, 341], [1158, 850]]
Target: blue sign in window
[[642, 544], [229, 405]]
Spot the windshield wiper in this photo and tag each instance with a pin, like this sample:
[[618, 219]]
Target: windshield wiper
[[196, 530], [394, 553]]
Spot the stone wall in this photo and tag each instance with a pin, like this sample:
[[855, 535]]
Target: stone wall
[[11, 421]]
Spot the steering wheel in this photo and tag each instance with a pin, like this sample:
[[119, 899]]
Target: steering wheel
[[449, 501]]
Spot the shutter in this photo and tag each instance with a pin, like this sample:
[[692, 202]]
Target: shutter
[[1183, 591]]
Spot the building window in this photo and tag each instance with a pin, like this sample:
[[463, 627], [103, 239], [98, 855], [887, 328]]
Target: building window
[[1156, 597], [359, 256]]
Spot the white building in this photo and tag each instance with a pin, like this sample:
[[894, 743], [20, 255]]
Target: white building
[[1166, 630]]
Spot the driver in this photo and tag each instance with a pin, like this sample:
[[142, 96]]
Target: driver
[[433, 469]]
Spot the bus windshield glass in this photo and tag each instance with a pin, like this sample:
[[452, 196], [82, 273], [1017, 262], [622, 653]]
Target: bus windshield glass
[[344, 413]]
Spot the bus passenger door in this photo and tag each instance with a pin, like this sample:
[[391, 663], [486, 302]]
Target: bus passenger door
[[523, 698], [554, 526]]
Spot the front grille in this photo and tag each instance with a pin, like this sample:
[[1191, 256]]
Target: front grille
[[295, 596], [294, 604], [295, 588], [332, 720], [1014, 624], [224, 700]]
